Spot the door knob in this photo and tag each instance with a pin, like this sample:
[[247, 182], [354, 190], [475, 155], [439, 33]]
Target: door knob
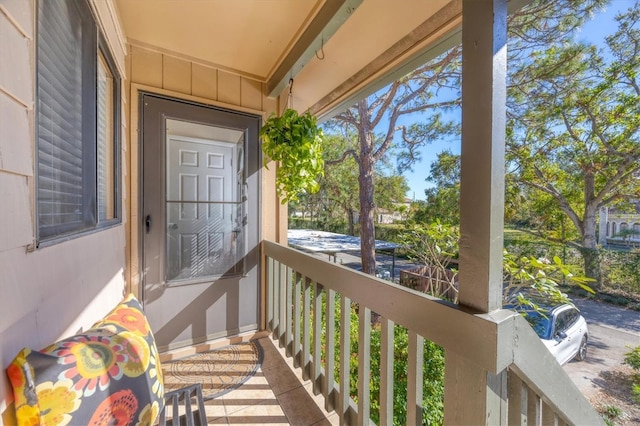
[[147, 223]]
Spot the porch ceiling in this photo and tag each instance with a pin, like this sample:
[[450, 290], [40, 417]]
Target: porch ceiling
[[362, 41]]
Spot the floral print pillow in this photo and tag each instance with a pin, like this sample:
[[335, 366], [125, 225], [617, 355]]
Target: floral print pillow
[[109, 374]]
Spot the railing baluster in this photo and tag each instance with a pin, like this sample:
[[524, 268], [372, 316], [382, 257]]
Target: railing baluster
[[317, 338], [288, 335], [364, 364], [533, 408], [296, 319], [306, 343], [282, 300], [414, 379], [345, 358], [270, 287], [277, 305], [548, 417], [330, 344], [386, 371], [517, 394]]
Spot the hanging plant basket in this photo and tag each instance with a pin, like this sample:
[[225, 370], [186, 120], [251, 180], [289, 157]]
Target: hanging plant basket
[[295, 143]]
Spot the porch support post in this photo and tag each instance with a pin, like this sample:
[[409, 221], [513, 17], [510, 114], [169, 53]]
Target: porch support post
[[473, 395], [484, 65]]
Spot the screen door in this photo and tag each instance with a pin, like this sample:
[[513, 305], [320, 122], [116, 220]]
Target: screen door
[[200, 224]]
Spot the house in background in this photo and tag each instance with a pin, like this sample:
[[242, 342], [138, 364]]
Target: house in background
[[619, 228], [130, 163]]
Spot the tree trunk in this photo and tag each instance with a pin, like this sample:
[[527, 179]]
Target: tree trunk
[[350, 214], [589, 249], [367, 229]]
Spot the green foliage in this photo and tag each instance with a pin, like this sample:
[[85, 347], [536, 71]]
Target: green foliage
[[610, 413], [621, 270], [526, 279], [433, 379], [433, 374], [433, 367], [294, 141], [632, 358]]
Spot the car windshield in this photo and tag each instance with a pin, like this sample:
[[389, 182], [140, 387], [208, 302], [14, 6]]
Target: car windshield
[[540, 323]]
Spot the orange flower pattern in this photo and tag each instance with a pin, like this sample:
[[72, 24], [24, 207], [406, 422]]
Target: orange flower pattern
[[109, 374]]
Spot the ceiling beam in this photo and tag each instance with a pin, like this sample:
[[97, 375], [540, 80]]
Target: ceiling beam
[[324, 25]]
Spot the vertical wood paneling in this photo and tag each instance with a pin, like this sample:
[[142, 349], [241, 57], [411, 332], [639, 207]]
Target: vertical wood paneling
[[415, 370], [250, 93], [176, 74], [364, 364], [269, 105], [146, 67], [228, 88], [330, 345], [204, 81], [345, 358], [386, 371]]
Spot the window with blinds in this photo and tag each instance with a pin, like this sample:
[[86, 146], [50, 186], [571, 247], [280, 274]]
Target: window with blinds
[[77, 95]]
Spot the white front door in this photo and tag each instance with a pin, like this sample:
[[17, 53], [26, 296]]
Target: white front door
[[201, 208]]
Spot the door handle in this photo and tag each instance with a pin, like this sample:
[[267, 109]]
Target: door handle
[[173, 226], [147, 223]]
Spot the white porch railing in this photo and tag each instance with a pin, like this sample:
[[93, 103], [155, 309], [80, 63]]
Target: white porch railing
[[534, 389]]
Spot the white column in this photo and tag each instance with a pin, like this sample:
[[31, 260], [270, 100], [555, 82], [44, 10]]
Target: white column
[[473, 395], [484, 63]]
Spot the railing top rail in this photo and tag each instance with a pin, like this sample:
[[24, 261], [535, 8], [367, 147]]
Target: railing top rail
[[443, 323]]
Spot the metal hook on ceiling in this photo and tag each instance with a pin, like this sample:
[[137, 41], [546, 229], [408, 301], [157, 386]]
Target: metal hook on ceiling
[[321, 49], [290, 97]]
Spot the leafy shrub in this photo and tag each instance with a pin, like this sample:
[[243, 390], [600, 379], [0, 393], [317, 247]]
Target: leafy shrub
[[620, 270], [633, 359]]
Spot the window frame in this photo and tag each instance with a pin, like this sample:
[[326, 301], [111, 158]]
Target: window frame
[[96, 44]]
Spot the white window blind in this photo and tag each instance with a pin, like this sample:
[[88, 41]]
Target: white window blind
[[77, 123], [106, 148]]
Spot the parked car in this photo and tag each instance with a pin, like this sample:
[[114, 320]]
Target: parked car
[[562, 330]]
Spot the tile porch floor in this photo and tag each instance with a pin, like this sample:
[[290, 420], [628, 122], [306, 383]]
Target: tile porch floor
[[275, 395]]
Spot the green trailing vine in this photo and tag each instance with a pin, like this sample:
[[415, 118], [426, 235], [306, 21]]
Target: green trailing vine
[[294, 142]]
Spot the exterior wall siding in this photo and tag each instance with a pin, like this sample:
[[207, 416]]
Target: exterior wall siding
[[163, 73], [52, 292]]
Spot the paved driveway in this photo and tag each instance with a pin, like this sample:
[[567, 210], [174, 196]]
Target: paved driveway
[[612, 330]]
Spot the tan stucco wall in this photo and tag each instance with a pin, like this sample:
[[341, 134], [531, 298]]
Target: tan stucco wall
[[52, 292], [154, 71]]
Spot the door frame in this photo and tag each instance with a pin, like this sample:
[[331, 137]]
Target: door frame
[[253, 279], [134, 230]]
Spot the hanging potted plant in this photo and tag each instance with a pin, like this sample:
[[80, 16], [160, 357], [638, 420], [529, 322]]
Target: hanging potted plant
[[294, 142]]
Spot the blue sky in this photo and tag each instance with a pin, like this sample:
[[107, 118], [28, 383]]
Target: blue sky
[[593, 31]]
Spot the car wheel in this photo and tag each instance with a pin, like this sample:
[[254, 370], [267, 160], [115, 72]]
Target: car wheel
[[582, 351]]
